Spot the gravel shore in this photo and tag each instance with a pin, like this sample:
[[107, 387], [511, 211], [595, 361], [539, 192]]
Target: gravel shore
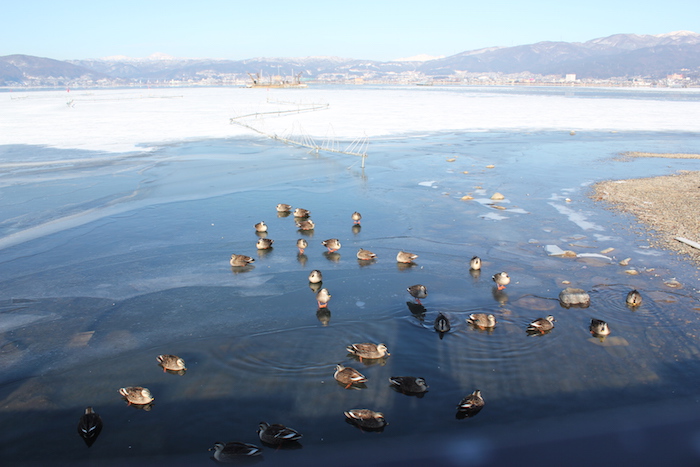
[[667, 206]]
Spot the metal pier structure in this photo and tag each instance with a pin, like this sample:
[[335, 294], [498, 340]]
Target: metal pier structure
[[358, 147]]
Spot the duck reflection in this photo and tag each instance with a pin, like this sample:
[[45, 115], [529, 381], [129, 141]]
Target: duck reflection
[[475, 273], [368, 361], [356, 229], [501, 296], [332, 256], [402, 267], [265, 252], [283, 213], [302, 258], [315, 286], [417, 310], [242, 269], [323, 314], [261, 234]]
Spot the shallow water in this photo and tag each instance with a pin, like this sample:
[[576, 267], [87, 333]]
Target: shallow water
[[105, 270]]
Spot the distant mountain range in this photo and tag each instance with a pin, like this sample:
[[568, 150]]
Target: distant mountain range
[[620, 56]]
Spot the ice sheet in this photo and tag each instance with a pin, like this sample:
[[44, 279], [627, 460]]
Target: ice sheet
[[124, 119]]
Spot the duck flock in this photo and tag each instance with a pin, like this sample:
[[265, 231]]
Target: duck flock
[[275, 435]]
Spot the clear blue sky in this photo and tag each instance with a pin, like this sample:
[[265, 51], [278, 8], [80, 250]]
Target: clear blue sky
[[377, 30]]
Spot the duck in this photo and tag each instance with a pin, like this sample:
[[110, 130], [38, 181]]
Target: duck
[[264, 243], [366, 418], [356, 216], [323, 297], [277, 434], [418, 291], [634, 298], [136, 395], [299, 212], [405, 257], [333, 244], [368, 350], [482, 320], [442, 324], [315, 276], [283, 207], [471, 404], [348, 376], [241, 260], [89, 426], [475, 263], [261, 227], [230, 452], [599, 327], [171, 362], [302, 244], [365, 255], [306, 224], [501, 279], [409, 384], [542, 324]]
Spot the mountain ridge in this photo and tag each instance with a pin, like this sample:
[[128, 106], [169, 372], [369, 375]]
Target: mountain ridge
[[617, 56]]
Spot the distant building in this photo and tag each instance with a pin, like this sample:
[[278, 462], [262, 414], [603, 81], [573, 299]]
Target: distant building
[[570, 77]]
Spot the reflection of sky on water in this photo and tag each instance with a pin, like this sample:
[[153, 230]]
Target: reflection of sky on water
[[104, 270]]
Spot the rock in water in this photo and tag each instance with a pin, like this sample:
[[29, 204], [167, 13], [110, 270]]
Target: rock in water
[[574, 297]]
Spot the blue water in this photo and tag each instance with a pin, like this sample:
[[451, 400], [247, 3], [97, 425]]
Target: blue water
[[108, 263]]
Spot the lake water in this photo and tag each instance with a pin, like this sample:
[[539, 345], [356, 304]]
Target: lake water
[[110, 259]]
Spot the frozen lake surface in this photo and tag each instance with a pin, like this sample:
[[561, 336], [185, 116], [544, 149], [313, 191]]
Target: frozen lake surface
[[119, 216]]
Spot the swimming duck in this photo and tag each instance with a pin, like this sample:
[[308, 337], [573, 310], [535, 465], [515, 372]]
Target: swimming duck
[[368, 350], [136, 395], [277, 434], [230, 452], [89, 426], [418, 291], [298, 212], [306, 224], [302, 244], [471, 405], [171, 362], [261, 227], [241, 260], [405, 257], [475, 263], [264, 243], [542, 324], [315, 276], [634, 298], [356, 216], [333, 244], [599, 327], [348, 376], [365, 255], [501, 279], [409, 384], [283, 208], [482, 320], [323, 297], [442, 324], [366, 418]]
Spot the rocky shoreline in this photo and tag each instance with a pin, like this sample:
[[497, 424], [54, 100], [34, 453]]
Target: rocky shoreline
[[666, 206]]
